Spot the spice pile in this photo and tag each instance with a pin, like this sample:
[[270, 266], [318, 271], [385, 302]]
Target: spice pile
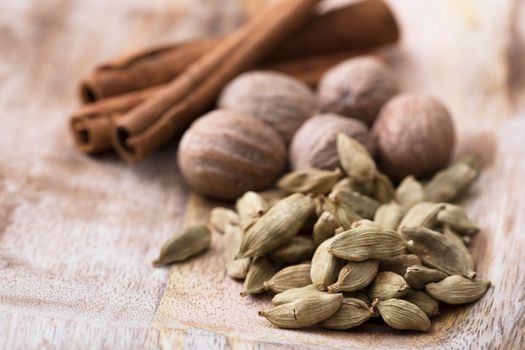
[[339, 247]]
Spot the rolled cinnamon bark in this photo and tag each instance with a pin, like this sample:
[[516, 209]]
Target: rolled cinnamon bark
[[362, 25], [91, 124]]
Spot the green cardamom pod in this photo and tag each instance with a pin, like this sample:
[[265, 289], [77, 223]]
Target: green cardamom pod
[[191, 241], [261, 270], [315, 181], [450, 183], [324, 228], [422, 214], [293, 294], [457, 289], [399, 264], [277, 226], [304, 312], [355, 159], [290, 277], [403, 315], [409, 193], [367, 242], [231, 242], [220, 217], [389, 215], [251, 205], [298, 249], [358, 203], [387, 285], [456, 217], [438, 252], [417, 276], [425, 302], [353, 312], [355, 276], [325, 266]]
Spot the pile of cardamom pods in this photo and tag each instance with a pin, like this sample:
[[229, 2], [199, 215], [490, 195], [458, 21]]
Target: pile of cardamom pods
[[341, 247]]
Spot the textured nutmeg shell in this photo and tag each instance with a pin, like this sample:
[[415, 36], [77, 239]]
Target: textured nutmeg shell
[[282, 102], [224, 154], [314, 144], [357, 88], [414, 135]]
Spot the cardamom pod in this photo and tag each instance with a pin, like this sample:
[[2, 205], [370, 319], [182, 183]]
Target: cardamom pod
[[422, 214], [294, 276], [367, 188], [457, 289], [438, 252], [456, 217], [298, 249], [367, 242], [384, 189], [354, 276], [358, 203], [304, 312], [425, 302], [277, 226], [315, 181], [355, 159], [251, 205], [353, 312], [220, 217], [450, 183], [387, 285], [403, 315], [261, 270], [363, 296], [399, 264], [345, 216], [191, 241], [418, 276], [295, 293], [409, 193], [324, 228], [325, 266], [389, 215], [231, 242]]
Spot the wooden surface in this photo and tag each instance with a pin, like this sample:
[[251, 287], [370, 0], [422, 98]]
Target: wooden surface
[[77, 234]]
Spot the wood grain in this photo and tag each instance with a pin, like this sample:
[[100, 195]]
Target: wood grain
[[77, 234]]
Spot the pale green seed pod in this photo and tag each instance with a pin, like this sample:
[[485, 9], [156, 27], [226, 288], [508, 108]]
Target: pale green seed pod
[[355, 276], [417, 276], [191, 241], [293, 294], [388, 285], [325, 266], [304, 312], [290, 277], [315, 181], [403, 315], [261, 270], [457, 289], [389, 215], [353, 313], [425, 302]]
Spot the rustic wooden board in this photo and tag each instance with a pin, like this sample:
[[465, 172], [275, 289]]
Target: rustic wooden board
[[77, 235]]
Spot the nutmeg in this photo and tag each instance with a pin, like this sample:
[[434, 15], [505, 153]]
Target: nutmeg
[[224, 154], [277, 99], [314, 144], [414, 135], [357, 88]]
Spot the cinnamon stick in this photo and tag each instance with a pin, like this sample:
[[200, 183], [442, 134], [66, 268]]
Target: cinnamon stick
[[157, 120], [362, 25]]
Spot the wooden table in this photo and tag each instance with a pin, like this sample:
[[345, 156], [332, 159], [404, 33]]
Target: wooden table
[[77, 234]]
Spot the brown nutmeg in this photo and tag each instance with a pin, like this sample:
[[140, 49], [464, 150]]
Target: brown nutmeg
[[282, 102], [414, 135], [357, 88], [314, 144], [224, 154]]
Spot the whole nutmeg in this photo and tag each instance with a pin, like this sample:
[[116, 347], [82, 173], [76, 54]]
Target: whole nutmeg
[[357, 88], [314, 144], [277, 99], [224, 154], [415, 136]]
